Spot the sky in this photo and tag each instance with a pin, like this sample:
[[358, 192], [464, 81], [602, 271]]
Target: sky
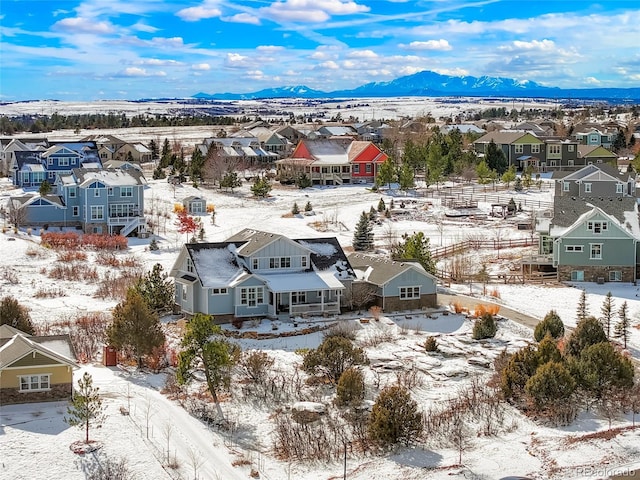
[[132, 49]]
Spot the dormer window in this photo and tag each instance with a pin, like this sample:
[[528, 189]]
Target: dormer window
[[189, 265], [597, 226], [587, 188], [303, 262]]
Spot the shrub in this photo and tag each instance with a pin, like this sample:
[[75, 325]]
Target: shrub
[[550, 387], [256, 365], [484, 327], [342, 329], [15, 315], [457, 307], [588, 332], [551, 324], [350, 389], [308, 207], [333, 357], [394, 418], [153, 245], [375, 312], [237, 322], [431, 344], [295, 209]]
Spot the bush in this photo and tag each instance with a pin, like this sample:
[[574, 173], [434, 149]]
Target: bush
[[484, 327], [15, 315], [256, 365], [308, 207], [350, 388], [394, 418], [431, 344], [588, 332], [295, 209], [333, 357], [551, 324], [153, 245], [550, 387]]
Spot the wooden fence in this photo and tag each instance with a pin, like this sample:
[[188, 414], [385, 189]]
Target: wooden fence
[[448, 250]]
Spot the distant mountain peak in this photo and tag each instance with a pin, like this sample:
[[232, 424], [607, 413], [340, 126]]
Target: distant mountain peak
[[432, 84]]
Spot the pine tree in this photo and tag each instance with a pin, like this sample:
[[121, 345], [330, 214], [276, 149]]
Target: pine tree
[[15, 315], [155, 151], [518, 184], [582, 311], [261, 187], [196, 166], [551, 386], [363, 235], [381, 206], [165, 159], [386, 173], [308, 207], [484, 327], [394, 418], [135, 326], [551, 324], [622, 327], [45, 188], [588, 332], [607, 314], [415, 247], [156, 289], [295, 209], [601, 367], [303, 181], [350, 389], [332, 357], [86, 406], [406, 179], [230, 180]]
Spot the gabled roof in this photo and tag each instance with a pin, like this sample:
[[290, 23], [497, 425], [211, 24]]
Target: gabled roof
[[586, 151], [380, 271], [55, 149], [111, 177], [254, 240], [21, 345], [592, 212], [504, 137], [567, 209], [216, 264], [596, 173], [25, 200], [327, 254], [7, 331]]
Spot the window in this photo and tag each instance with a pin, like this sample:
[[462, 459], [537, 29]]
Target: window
[[596, 251], [535, 148], [356, 168], [49, 161], [280, 262], [577, 276], [76, 211], [554, 149], [573, 248], [298, 298], [110, 191], [126, 191], [519, 149], [96, 192], [587, 188], [251, 296], [407, 293], [571, 148], [303, 262], [597, 226], [189, 265], [593, 139], [565, 186], [255, 264], [615, 276], [619, 188], [368, 168], [570, 163], [184, 292], [97, 212], [29, 383], [63, 162], [552, 163], [72, 192], [218, 291]]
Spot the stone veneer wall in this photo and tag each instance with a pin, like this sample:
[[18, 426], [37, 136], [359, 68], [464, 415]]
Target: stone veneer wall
[[592, 273], [394, 304], [61, 391]]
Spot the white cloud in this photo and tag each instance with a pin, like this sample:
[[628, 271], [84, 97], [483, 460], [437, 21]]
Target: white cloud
[[255, 74], [143, 27], [157, 62], [363, 54], [409, 70], [235, 60], [194, 14], [454, 72], [534, 45], [242, 18], [592, 81], [441, 45], [330, 65], [83, 25], [201, 67], [140, 72], [311, 11], [269, 48]]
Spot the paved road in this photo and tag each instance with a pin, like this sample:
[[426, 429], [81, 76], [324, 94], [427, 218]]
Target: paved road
[[470, 303]]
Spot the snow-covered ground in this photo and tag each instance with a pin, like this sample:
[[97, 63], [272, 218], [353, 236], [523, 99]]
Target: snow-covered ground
[[34, 441]]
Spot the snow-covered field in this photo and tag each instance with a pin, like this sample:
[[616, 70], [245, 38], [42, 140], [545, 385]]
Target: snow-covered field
[[34, 441]]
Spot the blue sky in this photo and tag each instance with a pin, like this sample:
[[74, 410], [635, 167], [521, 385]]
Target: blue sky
[[131, 49]]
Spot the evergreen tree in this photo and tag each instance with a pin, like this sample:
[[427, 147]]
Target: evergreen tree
[[303, 181], [484, 173], [165, 159], [415, 247], [406, 178], [518, 185], [622, 327], [350, 389], [607, 314], [373, 214], [86, 406], [588, 332], [155, 150], [261, 187], [15, 315], [135, 326], [196, 167], [520, 368], [509, 176], [551, 324], [582, 311], [394, 418], [484, 327], [548, 350], [386, 173], [332, 357], [601, 368], [381, 205], [495, 158], [231, 180], [295, 209], [550, 387], [620, 142], [158, 173], [308, 207], [45, 188], [363, 234], [156, 289], [153, 245], [206, 349]]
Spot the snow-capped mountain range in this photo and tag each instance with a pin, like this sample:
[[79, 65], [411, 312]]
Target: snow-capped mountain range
[[432, 84]]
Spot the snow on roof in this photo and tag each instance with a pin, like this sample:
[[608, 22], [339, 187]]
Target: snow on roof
[[216, 267], [325, 249], [115, 177]]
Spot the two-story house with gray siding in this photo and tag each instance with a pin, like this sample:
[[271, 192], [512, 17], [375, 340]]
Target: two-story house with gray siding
[[594, 232], [261, 274], [108, 201]]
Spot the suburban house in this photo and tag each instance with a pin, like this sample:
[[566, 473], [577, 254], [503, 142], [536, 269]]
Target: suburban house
[[95, 200], [35, 368], [10, 146], [238, 151], [596, 154], [261, 274], [524, 149], [31, 168], [270, 140], [393, 285], [133, 152], [592, 134], [332, 161], [593, 233]]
